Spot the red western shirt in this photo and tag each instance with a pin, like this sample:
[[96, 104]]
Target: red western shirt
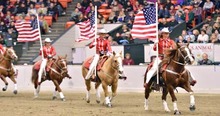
[[102, 45], [48, 51], [164, 44], [1, 49]]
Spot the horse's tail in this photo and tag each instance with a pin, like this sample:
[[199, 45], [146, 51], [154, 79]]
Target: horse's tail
[[34, 75]]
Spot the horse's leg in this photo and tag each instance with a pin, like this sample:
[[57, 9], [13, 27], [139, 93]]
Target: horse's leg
[[146, 95], [15, 84], [107, 99], [164, 98], [114, 90], [55, 94], [88, 87], [192, 98], [98, 96], [6, 83], [57, 84], [174, 99], [36, 92]]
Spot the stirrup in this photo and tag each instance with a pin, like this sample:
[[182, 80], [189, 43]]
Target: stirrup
[[155, 86]]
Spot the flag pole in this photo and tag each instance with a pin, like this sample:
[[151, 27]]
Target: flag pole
[[41, 45], [157, 40], [96, 26]]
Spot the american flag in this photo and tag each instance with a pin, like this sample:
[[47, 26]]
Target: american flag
[[87, 29], [144, 26], [26, 32]]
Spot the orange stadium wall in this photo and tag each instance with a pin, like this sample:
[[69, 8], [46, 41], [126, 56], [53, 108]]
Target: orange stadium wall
[[207, 77]]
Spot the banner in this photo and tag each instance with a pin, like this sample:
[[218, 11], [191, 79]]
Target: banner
[[197, 49]]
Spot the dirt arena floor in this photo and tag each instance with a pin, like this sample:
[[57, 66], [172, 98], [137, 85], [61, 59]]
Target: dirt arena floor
[[125, 104]]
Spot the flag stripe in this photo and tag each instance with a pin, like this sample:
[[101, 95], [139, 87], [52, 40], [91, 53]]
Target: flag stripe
[[144, 26], [25, 32], [87, 29]]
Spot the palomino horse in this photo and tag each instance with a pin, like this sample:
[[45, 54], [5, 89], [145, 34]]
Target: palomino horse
[[174, 75], [57, 72], [6, 67], [108, 75]]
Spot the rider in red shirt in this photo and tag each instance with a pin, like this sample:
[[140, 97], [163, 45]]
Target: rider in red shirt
[[164, 43], [2, 50], [48, 52], [102, 48]]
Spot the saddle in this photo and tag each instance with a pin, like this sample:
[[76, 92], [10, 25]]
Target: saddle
[[100, 63], [49, 63]]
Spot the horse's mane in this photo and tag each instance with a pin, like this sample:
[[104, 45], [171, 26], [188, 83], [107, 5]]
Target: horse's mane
[[169, 53]]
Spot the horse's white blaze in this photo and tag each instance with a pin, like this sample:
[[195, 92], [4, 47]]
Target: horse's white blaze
[[13, 53], [119, 59], [165, 106], [192, 99], [175, 106], [146, 104], [189, 55]]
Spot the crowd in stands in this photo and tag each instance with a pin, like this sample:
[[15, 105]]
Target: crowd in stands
[[21, 10], [170, 14]]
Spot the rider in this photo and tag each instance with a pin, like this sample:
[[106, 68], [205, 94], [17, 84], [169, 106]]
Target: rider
[[102, 47], [164, 43], [48, 53]]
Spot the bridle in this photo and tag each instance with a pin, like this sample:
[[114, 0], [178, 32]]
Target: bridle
[[62, 69], [184, 57]]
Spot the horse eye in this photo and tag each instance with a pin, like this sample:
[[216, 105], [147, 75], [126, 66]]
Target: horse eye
[[115, 61]]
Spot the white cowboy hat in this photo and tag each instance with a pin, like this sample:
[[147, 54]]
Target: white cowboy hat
[[48, 40], [102, 31], [165, 30]]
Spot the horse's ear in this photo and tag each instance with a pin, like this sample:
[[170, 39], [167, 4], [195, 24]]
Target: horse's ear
[[187, 44], [65, 56], [114, 53]]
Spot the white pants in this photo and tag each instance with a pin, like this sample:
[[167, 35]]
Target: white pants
[[92, 66], [42, 69], [153, 70]]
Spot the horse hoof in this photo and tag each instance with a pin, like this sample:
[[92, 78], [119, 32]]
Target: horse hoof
[[3, 89], [192, 107], [15, 92], [167, 110], [109, 105], [54, 97], [176, 112], [63, 99], [98, 101], [88, 101], [146, 108]]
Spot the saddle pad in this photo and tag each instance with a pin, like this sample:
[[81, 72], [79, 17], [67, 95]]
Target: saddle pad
[[88, 62], [37, 65]]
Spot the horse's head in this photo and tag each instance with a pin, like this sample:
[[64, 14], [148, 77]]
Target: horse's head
[[117, 62], [62, 64], [185, 53], [10, 54]]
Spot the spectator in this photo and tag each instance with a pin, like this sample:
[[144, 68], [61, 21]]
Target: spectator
[[217, 34], [172, 10], [180, 40], [12, 9], [118, 38], [7, 18], [75, 15], [22, 9], [130, 16], [121, 16], [129, 24], [128, 60], [2, 40], [11, 38], [2, 9], [60, 8], [196, 34], [29, 3], [116, 7], [112, 17], [3, 28], [163, 24], [42, 10], [88, 8], [44, 28], [128, 7], [198, 13], [207, 7], [31, 10], [52, 11], [179, 9], [168, 4], [97, 3], [179, 17], [205, 60], [213, 38], [86, 3], [203, 37], [172, 23], [112, 43], [189, 17], [40, 2]]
